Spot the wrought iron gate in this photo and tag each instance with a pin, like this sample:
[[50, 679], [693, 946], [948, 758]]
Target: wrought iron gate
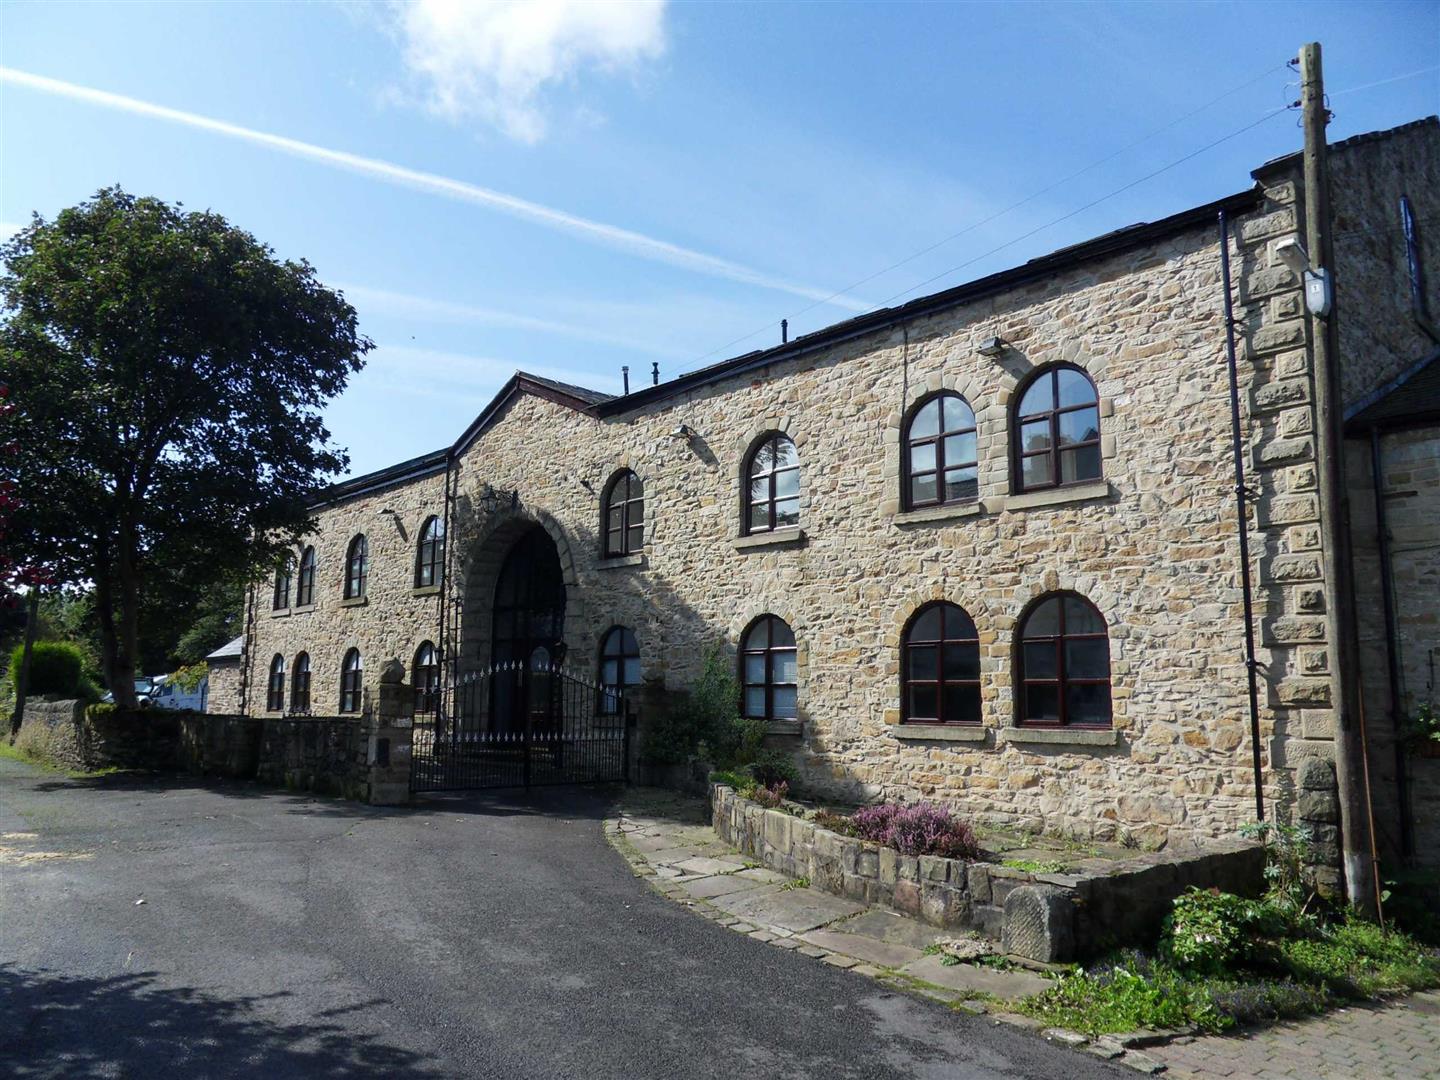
[[520, 725]]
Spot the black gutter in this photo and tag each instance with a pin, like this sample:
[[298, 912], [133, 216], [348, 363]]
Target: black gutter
[[1392, 651], [1036, 269], [1242, 520], [367, 483]]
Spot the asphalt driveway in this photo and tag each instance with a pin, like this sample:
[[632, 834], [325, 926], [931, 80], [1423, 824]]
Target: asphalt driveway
[[496, 936]]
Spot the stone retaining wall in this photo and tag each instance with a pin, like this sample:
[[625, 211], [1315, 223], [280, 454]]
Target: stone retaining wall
[[211, 745], [324, 754], [66, 732], [1045, 917]]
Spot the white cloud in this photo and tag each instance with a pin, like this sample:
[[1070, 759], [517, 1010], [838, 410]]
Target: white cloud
[[597, 232], [425, 309], [494, 60]]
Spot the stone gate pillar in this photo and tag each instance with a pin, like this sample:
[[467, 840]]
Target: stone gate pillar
[[388, 734]]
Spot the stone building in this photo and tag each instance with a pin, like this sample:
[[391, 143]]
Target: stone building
[[980, 548]]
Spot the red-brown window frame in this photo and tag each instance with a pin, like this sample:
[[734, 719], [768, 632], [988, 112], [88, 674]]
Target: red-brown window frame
[[1053, 452], [769, 651], [305, 580], [908, 644], [275, 688], [430, 553], [630, 490], [1062, 680], [300, 684], [350, 681], [357, 567], [909, 443]]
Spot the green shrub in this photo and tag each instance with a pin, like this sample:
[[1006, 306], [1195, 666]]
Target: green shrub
[[772, 768], [1208, 931], [1357, 958], [55, 668]]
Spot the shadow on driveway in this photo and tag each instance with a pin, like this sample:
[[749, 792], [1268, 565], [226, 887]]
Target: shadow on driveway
[[129, 1025]]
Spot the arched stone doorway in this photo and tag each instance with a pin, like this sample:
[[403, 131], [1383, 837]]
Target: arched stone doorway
[[527, 627]]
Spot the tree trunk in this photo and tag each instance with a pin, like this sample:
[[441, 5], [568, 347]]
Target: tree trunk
[[119, 667], [22, 683]]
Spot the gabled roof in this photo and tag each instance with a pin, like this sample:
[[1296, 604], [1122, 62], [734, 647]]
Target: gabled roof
[[1412, 399], [231, 650]]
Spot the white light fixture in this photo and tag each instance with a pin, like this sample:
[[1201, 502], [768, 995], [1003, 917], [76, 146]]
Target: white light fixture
[[1319, 295], [992, 347]]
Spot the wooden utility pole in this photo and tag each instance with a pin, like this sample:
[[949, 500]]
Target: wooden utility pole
[[1357, 865]]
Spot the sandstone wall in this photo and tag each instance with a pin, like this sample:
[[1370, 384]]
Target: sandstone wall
[[223, 694]]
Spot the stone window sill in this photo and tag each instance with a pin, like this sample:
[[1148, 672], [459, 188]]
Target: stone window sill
[[776, 538], [425, 590], [355, 601], [279, 613], [1028, 500], [975, 733], [784, 727], [302, 610], [617, 562], [1061, 736], [936, 513]]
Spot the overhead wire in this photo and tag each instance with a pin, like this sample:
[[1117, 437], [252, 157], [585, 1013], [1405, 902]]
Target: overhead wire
[[1000, 213]]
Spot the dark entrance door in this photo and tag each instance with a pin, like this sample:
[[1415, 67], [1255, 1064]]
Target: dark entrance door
[[525, 629]]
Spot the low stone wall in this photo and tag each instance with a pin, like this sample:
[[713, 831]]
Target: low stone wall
[[1045, 917], [211, 745], [314, 753], [67, 733]]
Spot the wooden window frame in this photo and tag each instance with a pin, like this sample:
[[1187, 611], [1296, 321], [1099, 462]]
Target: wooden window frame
[[426, 679], [430, 553], [769, 476], [631, 491], [909, 443], [357, 567], [1019, 455], [275, 687], [300, 684], [283, 574], [305, 579], [770, 651], [941, 645], [351, 680], [1062, 680]]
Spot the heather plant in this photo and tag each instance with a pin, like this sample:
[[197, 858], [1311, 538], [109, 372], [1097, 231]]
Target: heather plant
[[916, 829], [770, 797]]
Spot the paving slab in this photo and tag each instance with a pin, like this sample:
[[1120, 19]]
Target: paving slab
[[769, 877], [885, 954], [703, 864], [706, 888], [796, 910], [885, 925], [975, 979]]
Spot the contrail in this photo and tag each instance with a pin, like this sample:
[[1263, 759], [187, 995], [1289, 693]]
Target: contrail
[[612, 236]]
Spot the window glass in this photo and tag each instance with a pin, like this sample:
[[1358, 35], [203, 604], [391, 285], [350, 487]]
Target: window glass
[[1074, 387], [1064, 663]]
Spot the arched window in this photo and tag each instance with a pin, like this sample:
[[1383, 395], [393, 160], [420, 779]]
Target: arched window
[[282, 584], [1064, 669], [430, 554], [772, 498], [624, 512], [941, 667], [357, 567], [1057, 430], [767, 670], [300, 685], [940, 457], [351, 672], [275, 693], [425, 674], [619, 665], [305, 583]]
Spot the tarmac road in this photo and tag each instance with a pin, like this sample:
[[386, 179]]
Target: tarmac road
[[491, 936]]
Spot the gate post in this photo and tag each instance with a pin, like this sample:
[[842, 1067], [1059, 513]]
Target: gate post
[[389, 730]]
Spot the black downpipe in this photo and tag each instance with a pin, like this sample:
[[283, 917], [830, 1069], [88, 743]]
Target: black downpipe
[[1241, 494], [1392, 652]]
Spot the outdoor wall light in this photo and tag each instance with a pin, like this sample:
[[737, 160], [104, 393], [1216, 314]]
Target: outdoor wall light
[[992, 347], [684, 431], [1319, 295], [492, 500]]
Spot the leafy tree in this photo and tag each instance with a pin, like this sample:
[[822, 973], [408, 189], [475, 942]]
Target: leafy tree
[[168, 375]]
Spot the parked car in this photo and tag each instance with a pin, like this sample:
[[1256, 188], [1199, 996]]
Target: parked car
[[144, 691], [167, 694]]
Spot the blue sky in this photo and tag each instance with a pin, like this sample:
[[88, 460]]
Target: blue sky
[[567, 188]]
